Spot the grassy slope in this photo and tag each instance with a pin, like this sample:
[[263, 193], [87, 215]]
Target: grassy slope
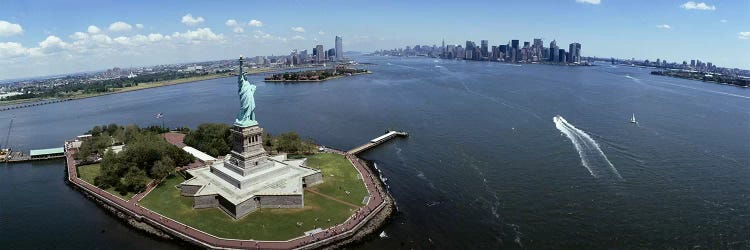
[[89, 172], [345, 178]]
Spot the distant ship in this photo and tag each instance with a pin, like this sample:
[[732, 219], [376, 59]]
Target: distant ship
[[632, 120]]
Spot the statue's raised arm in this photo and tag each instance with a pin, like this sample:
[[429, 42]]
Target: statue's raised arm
[[246, 91]]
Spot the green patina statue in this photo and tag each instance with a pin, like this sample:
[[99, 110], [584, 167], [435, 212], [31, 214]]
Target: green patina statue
[[246, 116]]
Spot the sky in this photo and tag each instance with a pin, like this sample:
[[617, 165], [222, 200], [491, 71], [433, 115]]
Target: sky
[[39, 38]]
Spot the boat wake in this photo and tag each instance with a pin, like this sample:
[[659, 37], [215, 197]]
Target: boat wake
[[591, 154], [633, 78]]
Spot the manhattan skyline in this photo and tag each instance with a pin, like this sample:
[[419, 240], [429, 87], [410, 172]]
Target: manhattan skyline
[[46, 38]]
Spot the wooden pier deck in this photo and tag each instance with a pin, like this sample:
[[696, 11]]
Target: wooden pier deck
[[377, 141]]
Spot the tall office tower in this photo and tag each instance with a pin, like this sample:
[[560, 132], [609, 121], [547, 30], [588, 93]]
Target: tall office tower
[[514, 51], [339, 50], [460, 52], [692, 63], [443, 49], [574, 50], [503, 51], [493, 53], [554, 52], [331, 55], [485, 48], [545, 54], [561, 58], [537, 49], [321, 54], [470, 48]]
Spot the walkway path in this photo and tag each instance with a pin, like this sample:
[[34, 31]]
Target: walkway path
[[339, 232]]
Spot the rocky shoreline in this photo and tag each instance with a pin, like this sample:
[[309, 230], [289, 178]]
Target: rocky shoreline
[[374, 225]]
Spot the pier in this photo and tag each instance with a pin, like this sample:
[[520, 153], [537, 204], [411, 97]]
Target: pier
[[33, 104], [34, 155], [377, 141]]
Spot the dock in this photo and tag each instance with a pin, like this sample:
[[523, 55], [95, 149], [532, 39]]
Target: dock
[[377, 141], [34, 155]]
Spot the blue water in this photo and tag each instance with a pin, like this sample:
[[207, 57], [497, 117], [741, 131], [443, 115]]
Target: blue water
[[485, 164]]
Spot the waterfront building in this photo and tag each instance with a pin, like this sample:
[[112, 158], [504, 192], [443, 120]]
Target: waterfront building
[[339, 49], [248, 178]]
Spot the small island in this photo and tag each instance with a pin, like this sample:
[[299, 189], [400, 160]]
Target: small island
[[231, 186], [738, 81], [316, 75]]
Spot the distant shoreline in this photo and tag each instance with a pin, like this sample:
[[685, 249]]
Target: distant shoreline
[[18, 104]]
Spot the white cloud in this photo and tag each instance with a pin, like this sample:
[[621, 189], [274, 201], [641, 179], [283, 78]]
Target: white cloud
[[589, 1], [723, 21], [93, 29], [155, 37], [79, 36], [120, 27], [52, 44], [255, 23], [10, 29], [664, 26], [744, 35], [298, 37], [321, 33], [236, 26], [189, 20], [11, 50], [697, 6], [197, 36], [262, 35], [138, 25], [298, 29]]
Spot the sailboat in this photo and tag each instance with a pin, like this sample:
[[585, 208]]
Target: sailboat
[[632, 120]]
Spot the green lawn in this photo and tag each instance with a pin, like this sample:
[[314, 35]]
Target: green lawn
[[89, 172], [265, 224], [345, 178]]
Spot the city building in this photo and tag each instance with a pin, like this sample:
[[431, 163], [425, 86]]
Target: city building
[[320, 54], [339, 49]]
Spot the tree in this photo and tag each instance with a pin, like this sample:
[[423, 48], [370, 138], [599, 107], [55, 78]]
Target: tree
[[288, 142], [212, 138], [163, 168], [134, 180]]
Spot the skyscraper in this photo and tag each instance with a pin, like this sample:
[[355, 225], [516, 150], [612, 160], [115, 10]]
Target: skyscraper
[[514, 51], [554, 52], [485, 46], [575, 53], [339, 49], [321, 54]]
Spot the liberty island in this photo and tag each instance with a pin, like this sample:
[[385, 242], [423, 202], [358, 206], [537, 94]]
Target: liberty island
[[265, 201]]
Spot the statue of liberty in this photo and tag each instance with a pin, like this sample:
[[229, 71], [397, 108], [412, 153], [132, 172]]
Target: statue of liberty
[[246, 116]]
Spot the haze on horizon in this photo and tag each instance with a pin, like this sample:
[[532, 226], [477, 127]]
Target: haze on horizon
[[49, 37]]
